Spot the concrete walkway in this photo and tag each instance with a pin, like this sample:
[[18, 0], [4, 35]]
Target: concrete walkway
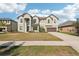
[[69, 39], [30, 43]]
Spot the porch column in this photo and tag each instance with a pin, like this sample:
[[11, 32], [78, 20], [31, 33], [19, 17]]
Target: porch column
[[25, 26], [30, 25], [38, 28], [5, 29], [45, 28]]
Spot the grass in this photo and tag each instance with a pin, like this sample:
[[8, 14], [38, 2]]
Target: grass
[[42, 51], [28, 37], [70, 33]]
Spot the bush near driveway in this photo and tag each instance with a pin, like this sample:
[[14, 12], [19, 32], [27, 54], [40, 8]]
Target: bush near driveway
[[41, 29]]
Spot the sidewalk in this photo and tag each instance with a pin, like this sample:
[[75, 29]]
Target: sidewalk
[[43, 43]]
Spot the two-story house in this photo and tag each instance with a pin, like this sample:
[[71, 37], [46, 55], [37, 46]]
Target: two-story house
[[8, 25], [27, 23]]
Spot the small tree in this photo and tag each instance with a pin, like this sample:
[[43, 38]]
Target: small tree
[[2, 24], [41, 29]]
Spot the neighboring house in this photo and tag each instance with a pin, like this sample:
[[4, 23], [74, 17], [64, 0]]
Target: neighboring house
[[68, 26], [8, 25], [27, 23]]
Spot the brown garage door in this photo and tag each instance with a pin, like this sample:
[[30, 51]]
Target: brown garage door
[[51, 29]]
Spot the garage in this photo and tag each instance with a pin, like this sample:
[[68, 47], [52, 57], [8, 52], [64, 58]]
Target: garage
[[51, 29]]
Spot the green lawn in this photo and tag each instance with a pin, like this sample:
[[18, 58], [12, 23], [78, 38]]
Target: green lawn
[[28, 37], [41, 51], [69, 33]]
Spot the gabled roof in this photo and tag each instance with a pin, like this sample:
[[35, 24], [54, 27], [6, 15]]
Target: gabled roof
[[43, 18], [54, 16], [67, 23], [6, 19], [23, 15], [40, 18], [50, 17]]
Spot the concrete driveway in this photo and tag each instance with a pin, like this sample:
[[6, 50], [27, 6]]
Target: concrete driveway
[[69, 39]]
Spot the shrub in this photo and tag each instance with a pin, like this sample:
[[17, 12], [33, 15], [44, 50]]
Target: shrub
[[41, 29]]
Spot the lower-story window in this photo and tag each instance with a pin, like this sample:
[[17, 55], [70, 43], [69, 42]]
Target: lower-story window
[[34, 28], [21, 27]]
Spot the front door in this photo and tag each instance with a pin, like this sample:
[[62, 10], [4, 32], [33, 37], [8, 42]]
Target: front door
[[27, 28], [27, 24]]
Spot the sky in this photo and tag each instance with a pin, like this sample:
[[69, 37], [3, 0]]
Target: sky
[[64, 11]]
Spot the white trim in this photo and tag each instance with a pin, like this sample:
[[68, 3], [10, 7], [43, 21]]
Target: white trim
[[42, 23]]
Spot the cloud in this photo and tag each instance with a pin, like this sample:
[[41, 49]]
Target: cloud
[[34, 11], [46, 12], [12, 7], [38, 12], [67, 13]]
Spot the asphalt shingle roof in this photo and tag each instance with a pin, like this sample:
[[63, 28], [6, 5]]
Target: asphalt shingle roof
[[67, 23]]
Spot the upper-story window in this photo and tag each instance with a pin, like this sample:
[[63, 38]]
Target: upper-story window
[[48, 20], [34, 20], [21, 20], [8, 21], [54, 21]]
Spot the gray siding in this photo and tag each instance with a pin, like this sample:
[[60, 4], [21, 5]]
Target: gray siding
[[14, 26]]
